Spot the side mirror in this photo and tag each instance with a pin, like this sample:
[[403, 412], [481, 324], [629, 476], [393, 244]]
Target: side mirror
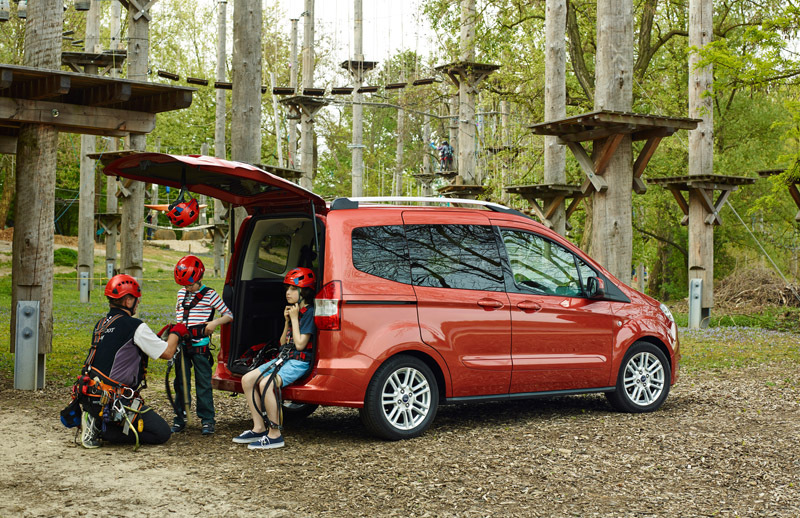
[[595, 288]]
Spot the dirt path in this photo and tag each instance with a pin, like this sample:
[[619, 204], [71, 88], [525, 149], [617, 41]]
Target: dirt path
[[723, 445]]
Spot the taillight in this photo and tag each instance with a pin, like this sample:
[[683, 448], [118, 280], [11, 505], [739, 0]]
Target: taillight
[[328, 306]]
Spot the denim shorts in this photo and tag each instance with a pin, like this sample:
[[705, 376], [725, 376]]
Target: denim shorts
[[289, 372]]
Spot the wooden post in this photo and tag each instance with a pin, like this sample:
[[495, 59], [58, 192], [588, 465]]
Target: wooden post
[[132, 225], [397, 180], [306, 122], [112, 206], [453, 131], [555, 98], [357, 149], [427, 164], [466, 99], [246, 100], [202, 199], [611, 239], [32, 257], [277, 114], [505, 139], [293, 84], [86, 224], [219, 134], [701, 152]]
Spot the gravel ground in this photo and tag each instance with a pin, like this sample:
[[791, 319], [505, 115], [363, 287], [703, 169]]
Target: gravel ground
[[724, 444]]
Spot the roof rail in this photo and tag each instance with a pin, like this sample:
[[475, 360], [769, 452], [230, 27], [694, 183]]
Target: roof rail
[[353, 203]]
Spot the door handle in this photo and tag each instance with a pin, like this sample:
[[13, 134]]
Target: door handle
[[490, 304], [529, 306]]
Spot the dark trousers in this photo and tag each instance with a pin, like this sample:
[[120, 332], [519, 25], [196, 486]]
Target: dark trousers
[[202, 381], [155, 431]]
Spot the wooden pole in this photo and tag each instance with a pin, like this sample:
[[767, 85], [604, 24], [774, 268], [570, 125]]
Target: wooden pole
[[357, 149], [701, 151], [505, 139], [611, 239], [466, 99], [131, 232], [219, 134], [397, 180], [427, 164], [306, 122], [277, 113], [555, 98], [86, 224], [246, 99], [112, 205], [453, 131], [32, 252], [293, 84]]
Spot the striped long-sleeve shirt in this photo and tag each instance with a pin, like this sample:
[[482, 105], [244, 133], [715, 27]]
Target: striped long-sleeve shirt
[[202, 312]]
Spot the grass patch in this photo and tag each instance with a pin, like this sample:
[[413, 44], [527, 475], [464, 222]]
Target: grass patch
[[74, 321], [776, 318], [728, 347]]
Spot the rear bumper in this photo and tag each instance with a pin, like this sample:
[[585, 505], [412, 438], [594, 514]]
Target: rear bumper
[[321, 387]]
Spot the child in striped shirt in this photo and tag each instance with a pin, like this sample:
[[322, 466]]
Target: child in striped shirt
[[196, 306]]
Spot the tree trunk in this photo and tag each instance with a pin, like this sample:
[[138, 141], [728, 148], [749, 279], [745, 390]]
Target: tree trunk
[[612, 241], [555, 98], [701, 150], [397, 183], [32, 263], [246, 97]]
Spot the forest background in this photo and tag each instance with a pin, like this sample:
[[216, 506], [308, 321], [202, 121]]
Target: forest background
[[755, 97]]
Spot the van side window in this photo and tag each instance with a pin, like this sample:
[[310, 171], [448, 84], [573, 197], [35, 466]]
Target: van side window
[[454, 256], [273, 253], [382, 251], [542, 265]]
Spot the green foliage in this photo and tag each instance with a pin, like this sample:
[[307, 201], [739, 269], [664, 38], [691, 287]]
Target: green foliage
[[65, 257]]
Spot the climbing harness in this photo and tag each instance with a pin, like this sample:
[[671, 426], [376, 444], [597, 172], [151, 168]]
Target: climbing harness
[[104, 397]]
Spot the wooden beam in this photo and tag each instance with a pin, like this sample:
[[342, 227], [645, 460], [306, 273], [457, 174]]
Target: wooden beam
[[598, 182], [160, 102], [682, 203], [610, 145], [44, 88], [92, 120], [597, 133], [796, 197], [645, 154], [105, 95]]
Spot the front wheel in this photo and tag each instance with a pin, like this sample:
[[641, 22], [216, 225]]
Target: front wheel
[[401, 399], [643, 380]]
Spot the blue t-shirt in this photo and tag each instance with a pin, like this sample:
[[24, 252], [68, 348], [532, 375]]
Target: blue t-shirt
[[307, 327]]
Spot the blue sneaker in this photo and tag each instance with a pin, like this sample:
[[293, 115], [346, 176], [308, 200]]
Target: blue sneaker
[[266, 442], [249, 436]]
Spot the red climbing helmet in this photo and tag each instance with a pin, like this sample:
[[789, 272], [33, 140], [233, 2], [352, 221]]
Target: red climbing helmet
[[120, 285], [189, 270], [300, 277], [183, 213]]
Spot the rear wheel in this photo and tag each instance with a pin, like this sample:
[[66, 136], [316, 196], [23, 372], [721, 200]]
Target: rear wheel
[[642, 381], [297, 411], [401, 399]]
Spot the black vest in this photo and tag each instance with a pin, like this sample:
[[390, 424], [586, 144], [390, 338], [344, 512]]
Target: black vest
[[116, 355]]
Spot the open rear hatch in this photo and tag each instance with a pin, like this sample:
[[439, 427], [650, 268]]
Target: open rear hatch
[[234, 182]]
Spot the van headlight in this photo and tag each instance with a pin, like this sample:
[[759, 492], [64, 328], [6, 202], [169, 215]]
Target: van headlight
[[667, 313]]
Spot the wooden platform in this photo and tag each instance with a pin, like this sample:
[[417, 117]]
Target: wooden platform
[[461, 191], [546, 198], [82, 103], [303, 104], [609, 127], [105, 60], [468, 72], [704, 185]]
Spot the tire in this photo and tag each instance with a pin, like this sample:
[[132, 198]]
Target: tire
[[293, 412], [643, 380], [401, 400]]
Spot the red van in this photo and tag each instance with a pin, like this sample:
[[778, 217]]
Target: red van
[[417, 306]]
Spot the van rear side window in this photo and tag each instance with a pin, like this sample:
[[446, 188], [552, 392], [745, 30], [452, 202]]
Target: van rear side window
[[382, 251], [273, 253], [454, 256]]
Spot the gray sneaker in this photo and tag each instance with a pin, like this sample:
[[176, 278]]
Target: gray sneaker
[[90, 435]]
